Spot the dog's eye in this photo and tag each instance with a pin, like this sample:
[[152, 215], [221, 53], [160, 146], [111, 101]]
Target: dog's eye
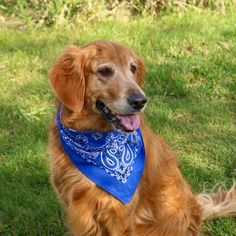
[[105, 71], [133, 68]]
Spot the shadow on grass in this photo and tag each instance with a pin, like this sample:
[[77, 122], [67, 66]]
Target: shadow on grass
[[27, 199]]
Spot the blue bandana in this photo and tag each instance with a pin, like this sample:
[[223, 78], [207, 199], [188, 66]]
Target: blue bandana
[[113, 160]]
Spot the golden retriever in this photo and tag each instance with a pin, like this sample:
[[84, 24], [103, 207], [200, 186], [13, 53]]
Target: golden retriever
[[163, 204]]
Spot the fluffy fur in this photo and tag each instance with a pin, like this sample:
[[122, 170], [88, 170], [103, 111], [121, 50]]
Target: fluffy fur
[[163, 204]]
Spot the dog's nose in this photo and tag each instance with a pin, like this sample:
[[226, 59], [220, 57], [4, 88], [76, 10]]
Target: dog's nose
[[137, 101]]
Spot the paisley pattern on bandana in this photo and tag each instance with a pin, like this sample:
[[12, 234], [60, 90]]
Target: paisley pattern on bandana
[[115, 153]]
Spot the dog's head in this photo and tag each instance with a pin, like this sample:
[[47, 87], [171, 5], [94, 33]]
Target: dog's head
[[101, 78]]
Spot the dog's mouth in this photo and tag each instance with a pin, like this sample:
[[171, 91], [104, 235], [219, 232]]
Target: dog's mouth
[[127, 123]]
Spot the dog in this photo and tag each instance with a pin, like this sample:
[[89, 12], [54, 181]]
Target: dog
[[98, 91]]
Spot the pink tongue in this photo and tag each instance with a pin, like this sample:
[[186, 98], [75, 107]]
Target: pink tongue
[[130, 122]]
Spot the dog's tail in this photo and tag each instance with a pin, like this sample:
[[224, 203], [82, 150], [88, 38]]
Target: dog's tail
[[220, 203]]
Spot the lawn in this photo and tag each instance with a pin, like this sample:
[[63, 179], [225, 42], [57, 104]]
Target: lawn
[[190, 83]]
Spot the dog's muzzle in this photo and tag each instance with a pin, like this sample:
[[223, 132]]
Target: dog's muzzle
[[124, 122]]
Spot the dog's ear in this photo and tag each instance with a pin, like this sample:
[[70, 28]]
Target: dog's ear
[[68, 80], [140, 70]]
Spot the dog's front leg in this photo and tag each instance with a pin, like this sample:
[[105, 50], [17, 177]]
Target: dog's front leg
[[81, 220], [104, 216]]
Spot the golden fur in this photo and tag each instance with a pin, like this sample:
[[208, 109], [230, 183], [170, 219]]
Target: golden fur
[[163, 204]]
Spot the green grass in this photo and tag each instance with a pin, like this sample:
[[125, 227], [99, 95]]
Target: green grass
[[190, 82]]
